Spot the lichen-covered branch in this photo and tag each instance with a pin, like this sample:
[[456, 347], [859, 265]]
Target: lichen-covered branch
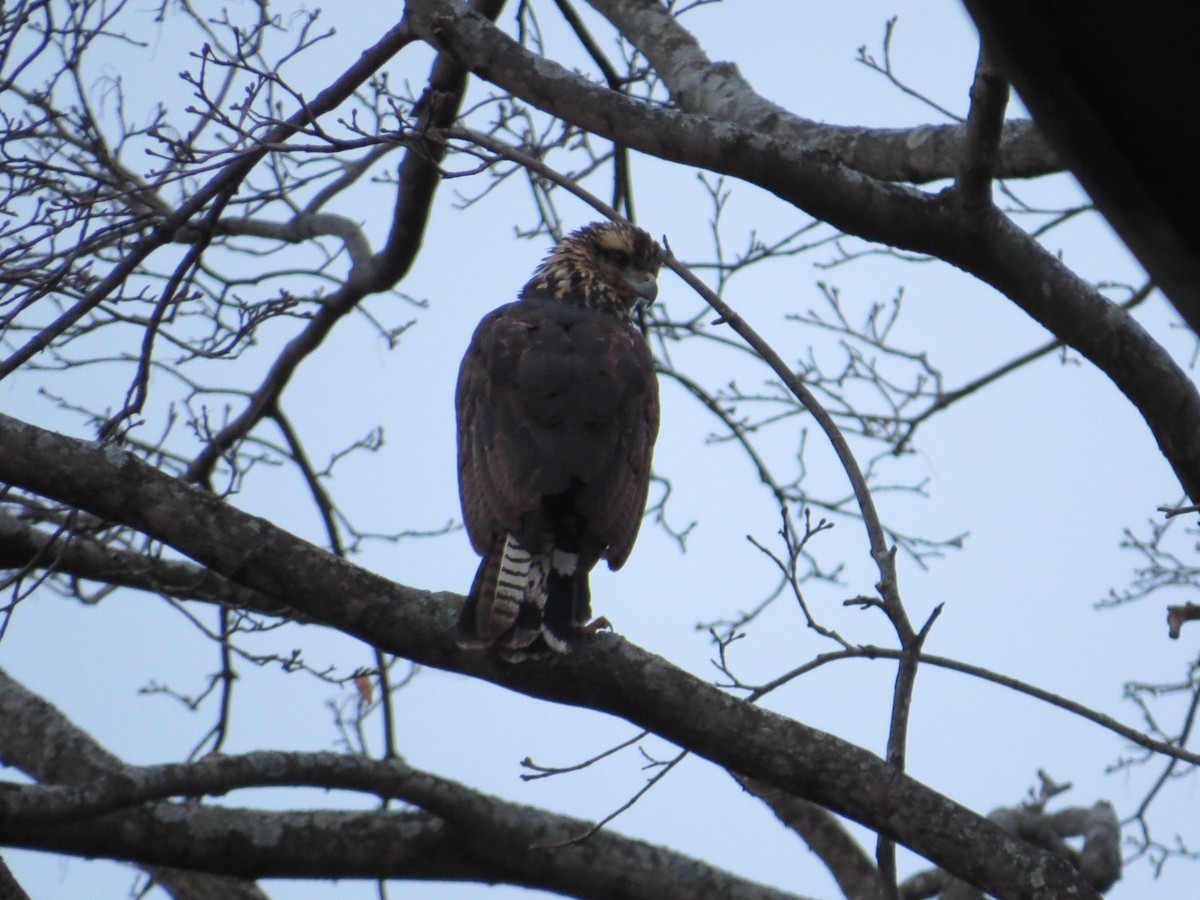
[[718, 90]]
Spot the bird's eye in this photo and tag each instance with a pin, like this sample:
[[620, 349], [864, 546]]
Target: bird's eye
[[620, 257]]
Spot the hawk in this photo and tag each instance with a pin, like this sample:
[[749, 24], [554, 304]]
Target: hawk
[[557, 406]]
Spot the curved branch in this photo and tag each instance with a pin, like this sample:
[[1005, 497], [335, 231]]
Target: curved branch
[[603, 672], [304, 227]]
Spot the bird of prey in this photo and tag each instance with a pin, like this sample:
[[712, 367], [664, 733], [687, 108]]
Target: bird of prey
[[557, 406]]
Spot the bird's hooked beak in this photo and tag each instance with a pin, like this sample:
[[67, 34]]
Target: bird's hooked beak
[[644, 284]]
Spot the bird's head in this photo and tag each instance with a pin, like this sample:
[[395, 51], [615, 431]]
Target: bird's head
[[606, 265]]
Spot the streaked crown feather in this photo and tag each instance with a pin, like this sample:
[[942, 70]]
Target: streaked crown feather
[[605, 265]]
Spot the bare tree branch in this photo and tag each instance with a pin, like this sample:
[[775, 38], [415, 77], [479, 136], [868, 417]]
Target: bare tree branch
[[1165, 748], [218, 190]]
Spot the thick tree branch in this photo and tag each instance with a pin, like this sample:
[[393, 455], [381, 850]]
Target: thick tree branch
[[79, 556], [718, 90], [473, 837], [988, 245], [232, 843], [604, 672], [1099, 859], [387, 845]]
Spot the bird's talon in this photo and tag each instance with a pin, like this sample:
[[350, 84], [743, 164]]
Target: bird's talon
[[600, 624]]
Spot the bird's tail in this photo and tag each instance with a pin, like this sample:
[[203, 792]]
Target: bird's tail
[[568, 596], [520, 595]]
